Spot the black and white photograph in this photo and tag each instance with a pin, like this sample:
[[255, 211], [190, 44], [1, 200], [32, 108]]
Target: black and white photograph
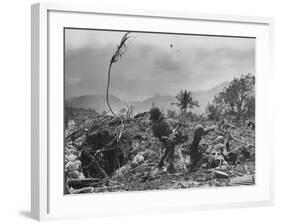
[[157, 111]]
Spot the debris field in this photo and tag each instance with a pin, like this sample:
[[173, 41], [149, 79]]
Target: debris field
[[105, 153]]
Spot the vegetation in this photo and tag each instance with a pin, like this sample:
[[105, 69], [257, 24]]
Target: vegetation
[[127, 112], [172, 114], [185, 101], [213, 112], [238, 98]]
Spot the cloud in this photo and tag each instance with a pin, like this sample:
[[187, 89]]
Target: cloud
[[151, 66], [167, 63]]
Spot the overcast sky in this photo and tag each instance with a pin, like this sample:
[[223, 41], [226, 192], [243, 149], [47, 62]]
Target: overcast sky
[[153, 63]]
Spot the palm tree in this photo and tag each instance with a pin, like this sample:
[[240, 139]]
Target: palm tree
[[185, 101]]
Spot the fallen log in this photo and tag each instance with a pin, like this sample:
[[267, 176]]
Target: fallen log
[[82, 183], [82, 190], [221, 175]]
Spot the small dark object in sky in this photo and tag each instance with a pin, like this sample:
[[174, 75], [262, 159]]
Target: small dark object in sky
[[171, 45]]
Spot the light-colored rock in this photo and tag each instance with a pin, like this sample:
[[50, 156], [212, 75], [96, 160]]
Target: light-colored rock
[[75, 165], [219, 139], [122, 171], [222, 167], [138, 159], [71, 157], [149, 154], [75, 174], [218, 146]]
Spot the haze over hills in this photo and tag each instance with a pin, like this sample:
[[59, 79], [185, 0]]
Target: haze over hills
[[98, 102]]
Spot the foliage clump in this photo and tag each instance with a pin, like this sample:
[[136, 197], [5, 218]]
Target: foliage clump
[[238, 98], [185, 100]]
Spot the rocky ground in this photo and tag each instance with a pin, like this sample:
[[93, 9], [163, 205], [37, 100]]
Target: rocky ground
[[107, 154]]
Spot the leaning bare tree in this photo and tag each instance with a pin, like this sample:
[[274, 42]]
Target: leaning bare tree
[[121, 48]]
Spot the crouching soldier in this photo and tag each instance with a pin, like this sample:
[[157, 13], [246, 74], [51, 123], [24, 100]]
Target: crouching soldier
[[198, 158], [163, 131]]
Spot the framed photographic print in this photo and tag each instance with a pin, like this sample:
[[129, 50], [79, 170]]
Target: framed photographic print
[[139, 111]]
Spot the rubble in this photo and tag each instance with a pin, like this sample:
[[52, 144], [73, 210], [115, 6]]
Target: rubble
[[103, 154]]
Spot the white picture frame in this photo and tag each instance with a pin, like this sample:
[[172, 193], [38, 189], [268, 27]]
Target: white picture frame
[[47, 199]]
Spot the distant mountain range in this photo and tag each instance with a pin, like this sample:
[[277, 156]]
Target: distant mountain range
[[98, 102]]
